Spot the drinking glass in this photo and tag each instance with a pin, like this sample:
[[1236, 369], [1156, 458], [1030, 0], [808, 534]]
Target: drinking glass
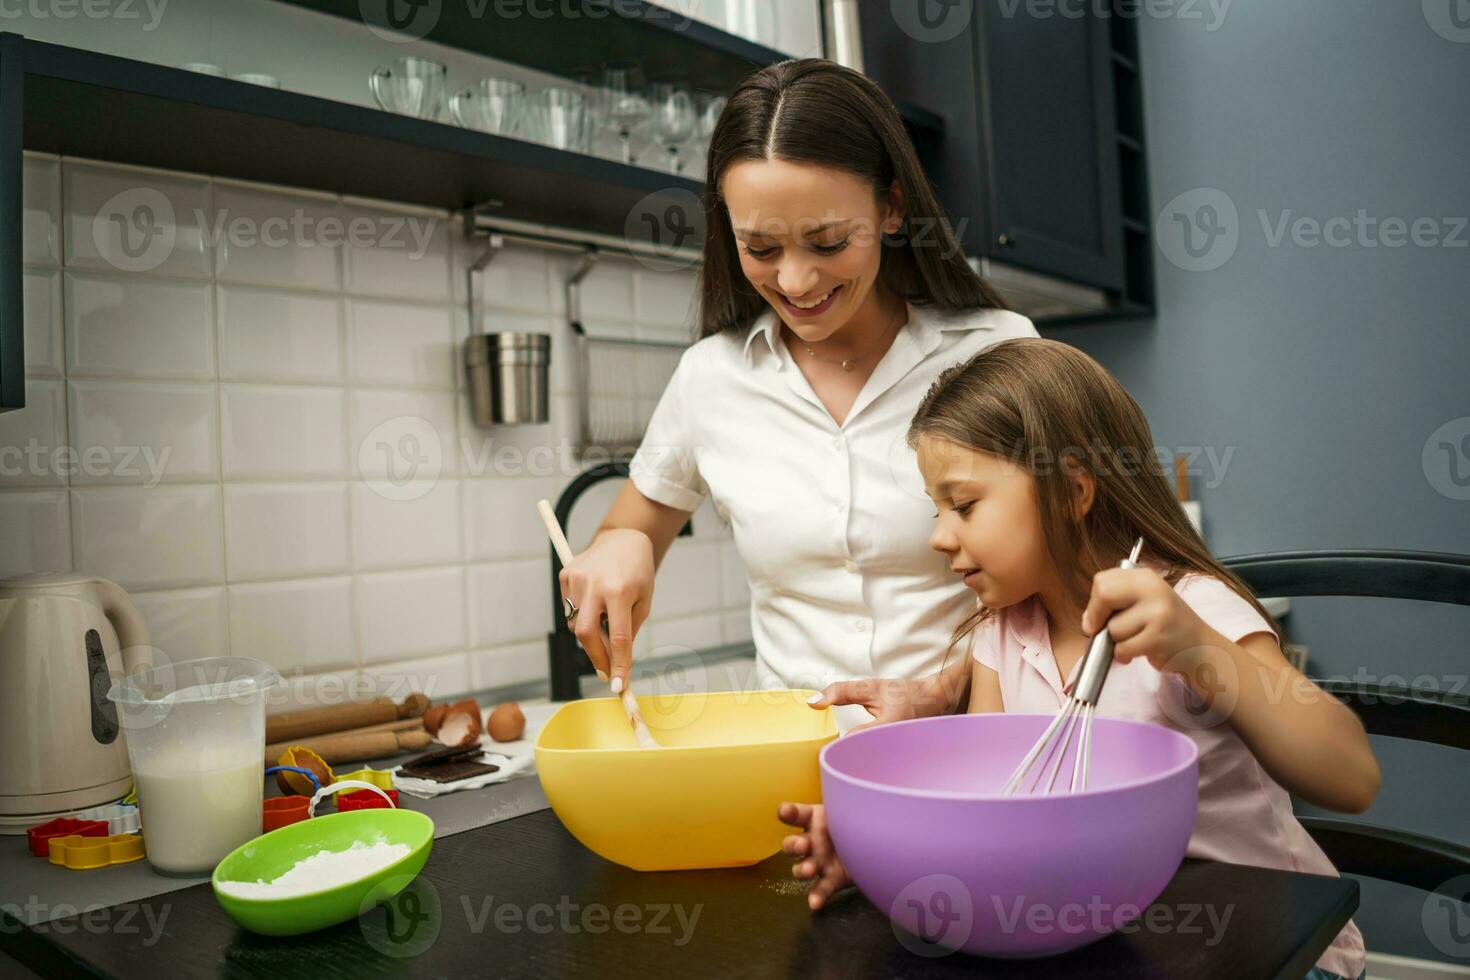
[[673, 119]]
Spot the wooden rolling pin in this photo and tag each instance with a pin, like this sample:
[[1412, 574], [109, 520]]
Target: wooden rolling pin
[[274, 750], [290, 726], [356, 748]]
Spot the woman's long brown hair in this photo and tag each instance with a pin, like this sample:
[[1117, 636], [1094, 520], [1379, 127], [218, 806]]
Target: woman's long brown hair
[[811, 110], [1047, 406]]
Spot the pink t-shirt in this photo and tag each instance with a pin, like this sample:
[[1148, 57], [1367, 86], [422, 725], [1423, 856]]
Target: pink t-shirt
[[1244, 815]]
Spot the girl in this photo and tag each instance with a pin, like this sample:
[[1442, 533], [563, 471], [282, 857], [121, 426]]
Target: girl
[[1043, 472]]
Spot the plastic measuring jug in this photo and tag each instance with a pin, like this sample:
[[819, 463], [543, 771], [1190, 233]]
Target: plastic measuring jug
[[196, 741]]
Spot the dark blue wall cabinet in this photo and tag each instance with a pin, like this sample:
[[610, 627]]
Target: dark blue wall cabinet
[[1041, 164]]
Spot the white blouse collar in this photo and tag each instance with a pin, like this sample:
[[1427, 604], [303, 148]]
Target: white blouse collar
[[925, 323]]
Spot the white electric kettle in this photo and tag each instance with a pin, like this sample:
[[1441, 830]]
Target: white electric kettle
[[64, 639]]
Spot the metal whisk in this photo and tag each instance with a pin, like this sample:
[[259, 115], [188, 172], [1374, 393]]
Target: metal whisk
[[1081, 703]]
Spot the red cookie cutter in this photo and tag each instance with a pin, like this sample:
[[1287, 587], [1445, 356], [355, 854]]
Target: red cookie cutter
[[278, 811], [366, 799], [40, 836]]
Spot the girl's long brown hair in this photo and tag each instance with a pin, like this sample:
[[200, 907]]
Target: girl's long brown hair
[[810, 110], [1042, 403]]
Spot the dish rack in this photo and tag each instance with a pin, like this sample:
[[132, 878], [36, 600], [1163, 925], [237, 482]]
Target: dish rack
[[614, 374]]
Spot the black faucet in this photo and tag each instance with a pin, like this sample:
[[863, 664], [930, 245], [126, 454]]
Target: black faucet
[[567, 660]]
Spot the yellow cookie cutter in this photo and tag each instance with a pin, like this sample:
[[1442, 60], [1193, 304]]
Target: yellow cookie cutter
[[88, 853], [380, 778]]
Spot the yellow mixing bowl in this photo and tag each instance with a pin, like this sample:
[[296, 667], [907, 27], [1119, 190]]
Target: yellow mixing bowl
[[707, 798]]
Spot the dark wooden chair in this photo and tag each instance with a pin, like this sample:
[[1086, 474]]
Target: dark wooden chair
[[1419, 714]]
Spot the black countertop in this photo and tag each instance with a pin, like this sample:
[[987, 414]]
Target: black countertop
[[522, 898]]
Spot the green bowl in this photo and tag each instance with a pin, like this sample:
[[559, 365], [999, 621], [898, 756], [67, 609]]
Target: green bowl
[[271, 855]]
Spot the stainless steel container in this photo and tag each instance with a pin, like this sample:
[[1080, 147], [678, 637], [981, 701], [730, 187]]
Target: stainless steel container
[[508, 377]]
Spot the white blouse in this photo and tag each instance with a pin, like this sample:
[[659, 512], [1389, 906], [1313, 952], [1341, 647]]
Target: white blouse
[[831, 520]]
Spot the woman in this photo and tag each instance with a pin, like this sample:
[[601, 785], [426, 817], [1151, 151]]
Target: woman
[[832, 294]]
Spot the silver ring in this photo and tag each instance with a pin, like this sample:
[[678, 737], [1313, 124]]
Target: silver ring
[[568, 610]]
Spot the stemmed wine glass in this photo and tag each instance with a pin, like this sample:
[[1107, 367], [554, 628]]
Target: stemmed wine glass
[[707, 107], [623, 107], [673, 119]]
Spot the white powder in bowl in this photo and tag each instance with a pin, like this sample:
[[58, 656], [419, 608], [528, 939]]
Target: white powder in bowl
[[323, 870]]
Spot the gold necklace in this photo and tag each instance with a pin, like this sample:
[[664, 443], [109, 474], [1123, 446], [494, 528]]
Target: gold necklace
[[850, 364]]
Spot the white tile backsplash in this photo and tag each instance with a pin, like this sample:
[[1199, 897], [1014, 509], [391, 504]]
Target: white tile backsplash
[[133, 432], [35, 447], [42, 302], [397, 253], [41, 209], [684, 635], [439, 678], [283, 432], [283, 464], [503, 666], [396, 344], [149, 538], [131, 327], [516, 279], [294, 625], [275, 238], [271, 335], [666, 302], [735, 626], [500, 516], [606, 292], [186, 623], [403, 435], [420, 526], [121, 219], [36, 528], [403, 614], [274, 531], [509, 601], [688, 579]]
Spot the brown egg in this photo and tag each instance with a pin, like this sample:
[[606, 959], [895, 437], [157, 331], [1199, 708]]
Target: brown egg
[[507, 722], [460, 727], [434, 717]]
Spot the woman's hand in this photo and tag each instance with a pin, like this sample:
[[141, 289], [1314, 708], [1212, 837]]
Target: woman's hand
[[1148, 619], [888, 699], [816, 858], [613, 577]]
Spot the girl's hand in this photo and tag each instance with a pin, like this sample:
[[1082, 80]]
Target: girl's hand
[[1148, 619], [813, 849], [886, 698]]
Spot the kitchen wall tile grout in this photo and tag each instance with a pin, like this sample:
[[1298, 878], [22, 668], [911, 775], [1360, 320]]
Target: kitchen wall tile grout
[[59, 231], [346, 341], [224, 539]]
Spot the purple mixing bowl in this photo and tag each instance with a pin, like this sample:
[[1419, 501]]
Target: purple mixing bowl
[[915, 812]]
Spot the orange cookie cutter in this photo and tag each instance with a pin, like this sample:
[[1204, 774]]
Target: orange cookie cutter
[[88, 853]]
